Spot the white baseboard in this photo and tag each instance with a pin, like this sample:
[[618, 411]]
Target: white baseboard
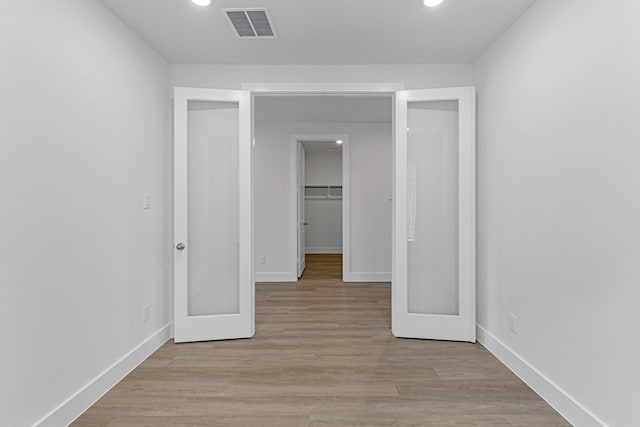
[[367, 277], [560, 400], [335, 250], [285, 276], [80, 401]]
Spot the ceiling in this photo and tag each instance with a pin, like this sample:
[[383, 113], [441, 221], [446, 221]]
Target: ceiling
[[323, 32]]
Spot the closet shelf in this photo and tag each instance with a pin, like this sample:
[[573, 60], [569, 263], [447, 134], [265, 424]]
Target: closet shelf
[[323, 192]]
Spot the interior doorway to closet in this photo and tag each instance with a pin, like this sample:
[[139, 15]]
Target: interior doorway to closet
[[314, 196], [319, 177]]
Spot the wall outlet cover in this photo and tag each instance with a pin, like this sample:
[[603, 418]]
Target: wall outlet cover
[[513, 323]]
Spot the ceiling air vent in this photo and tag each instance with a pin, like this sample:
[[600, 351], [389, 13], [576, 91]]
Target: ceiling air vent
[[251, 23]]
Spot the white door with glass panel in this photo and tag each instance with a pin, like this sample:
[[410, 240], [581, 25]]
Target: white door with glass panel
[[214, 285], [434, 215]]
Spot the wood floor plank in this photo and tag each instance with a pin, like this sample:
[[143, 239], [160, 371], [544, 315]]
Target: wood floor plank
[[323, 355]]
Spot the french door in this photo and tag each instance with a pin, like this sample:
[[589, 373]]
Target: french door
[[434, 215], [433, 265], [213, 225]]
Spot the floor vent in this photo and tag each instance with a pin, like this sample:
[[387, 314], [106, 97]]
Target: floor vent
[[251, 23]]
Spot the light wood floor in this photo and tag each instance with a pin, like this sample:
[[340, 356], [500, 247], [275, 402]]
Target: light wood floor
[[323, 355], [323, 267]]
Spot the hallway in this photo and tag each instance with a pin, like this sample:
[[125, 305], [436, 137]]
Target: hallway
[[323, 355]]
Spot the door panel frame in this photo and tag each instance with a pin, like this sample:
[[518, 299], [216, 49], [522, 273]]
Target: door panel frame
[[227, 326], [424, 326]]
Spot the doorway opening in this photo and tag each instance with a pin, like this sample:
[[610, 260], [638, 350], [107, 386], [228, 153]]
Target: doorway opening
[[320, 210], [339, 194]]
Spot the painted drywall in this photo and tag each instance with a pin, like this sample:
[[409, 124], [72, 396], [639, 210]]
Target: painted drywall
[[323, 216], [323, 167], [84, 125], [232, 76], [361, 109], [559, 207], [370, 181]]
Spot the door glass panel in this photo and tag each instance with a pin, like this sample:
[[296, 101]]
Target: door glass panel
[[213, 228], [433, 285]]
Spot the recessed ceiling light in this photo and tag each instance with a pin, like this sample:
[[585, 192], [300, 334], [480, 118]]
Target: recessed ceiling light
[[431, 3], [201, 2], [339, 142]]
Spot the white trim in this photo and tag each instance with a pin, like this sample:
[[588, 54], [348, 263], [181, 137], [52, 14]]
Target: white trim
[[82, 400], [323, 88], [555, 396], [284, 276], [346, 205], [367, 277], [325, 250]]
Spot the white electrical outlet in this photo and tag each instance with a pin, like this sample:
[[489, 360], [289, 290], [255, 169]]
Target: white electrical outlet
[[513, 323], [146, 313], [262, 259]]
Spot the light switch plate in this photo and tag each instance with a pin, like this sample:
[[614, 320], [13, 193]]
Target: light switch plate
[[146, 201], [513, 323], [146, 313]]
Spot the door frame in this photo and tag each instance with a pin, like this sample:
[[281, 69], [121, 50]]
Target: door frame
[[319, 89], [294, 139]]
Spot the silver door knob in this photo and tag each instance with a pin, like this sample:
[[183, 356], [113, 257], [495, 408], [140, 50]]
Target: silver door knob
[[180, 246]]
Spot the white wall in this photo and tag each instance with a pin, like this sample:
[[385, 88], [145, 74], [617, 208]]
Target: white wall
[[324, 216], [84, 130], [370, 182], [232, 76], [323, 167], [559, 206]]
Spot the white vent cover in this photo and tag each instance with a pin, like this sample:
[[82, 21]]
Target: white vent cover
[[251, 23]]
